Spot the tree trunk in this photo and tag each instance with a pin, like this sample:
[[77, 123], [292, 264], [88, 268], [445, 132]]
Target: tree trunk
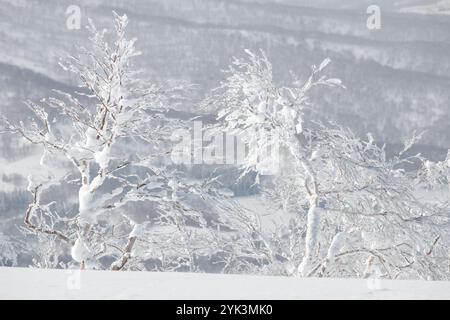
[[312, 230], [313, 221]]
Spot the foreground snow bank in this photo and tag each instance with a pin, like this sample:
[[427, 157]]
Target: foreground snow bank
[[17, 283]]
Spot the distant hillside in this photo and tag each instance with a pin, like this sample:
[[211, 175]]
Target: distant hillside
[[397, 77]]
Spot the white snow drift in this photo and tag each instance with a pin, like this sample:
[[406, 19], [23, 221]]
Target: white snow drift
[[16, 283]]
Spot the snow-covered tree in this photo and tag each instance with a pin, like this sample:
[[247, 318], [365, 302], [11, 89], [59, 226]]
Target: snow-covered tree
[[85, 129], [358, 210], [110, 143], [251, 106]]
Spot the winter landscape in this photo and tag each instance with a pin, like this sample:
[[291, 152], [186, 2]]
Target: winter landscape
[[225, 149]]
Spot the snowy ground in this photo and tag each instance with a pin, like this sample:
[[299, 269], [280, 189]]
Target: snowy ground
[[16, 283]]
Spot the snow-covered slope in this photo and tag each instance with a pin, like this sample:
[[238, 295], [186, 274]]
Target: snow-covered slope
[[16, 283]]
